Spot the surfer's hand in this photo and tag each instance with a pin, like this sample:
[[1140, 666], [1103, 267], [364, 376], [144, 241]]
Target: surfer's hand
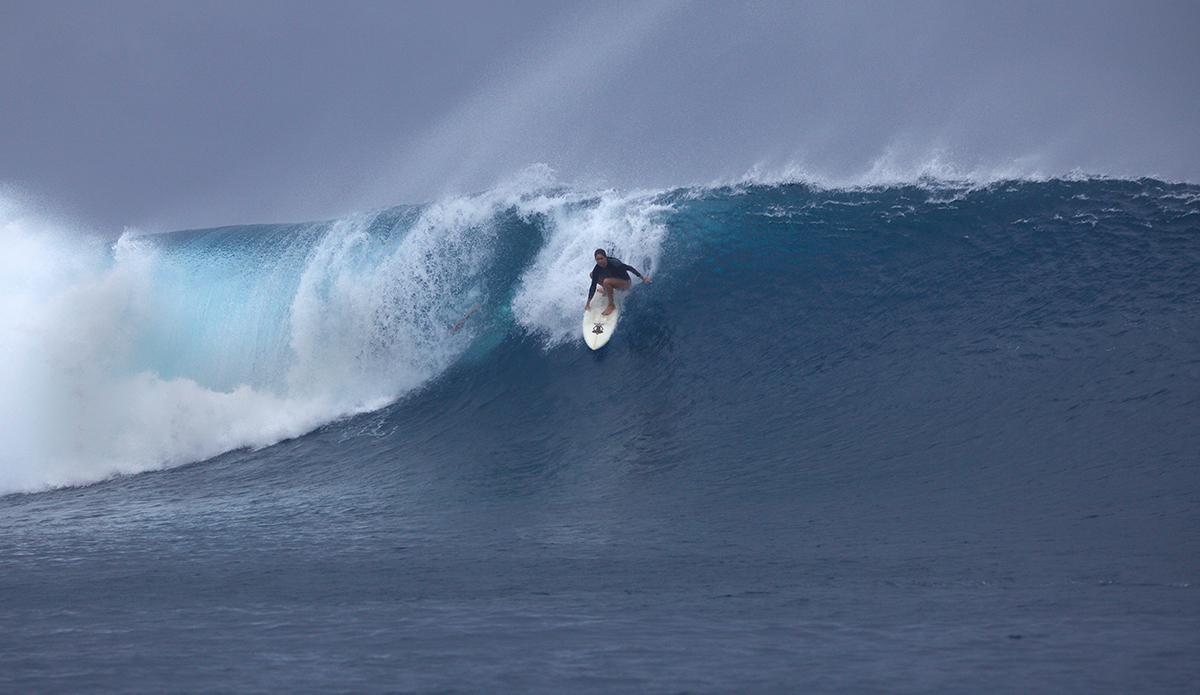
[[647, 278]]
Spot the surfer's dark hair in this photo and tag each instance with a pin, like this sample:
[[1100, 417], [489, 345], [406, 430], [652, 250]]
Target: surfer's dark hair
[[600, 252]]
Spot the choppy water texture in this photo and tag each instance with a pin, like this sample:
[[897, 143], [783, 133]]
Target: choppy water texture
[[919, 438]]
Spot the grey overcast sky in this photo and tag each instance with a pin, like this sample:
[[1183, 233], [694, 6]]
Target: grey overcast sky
[[166, 115]]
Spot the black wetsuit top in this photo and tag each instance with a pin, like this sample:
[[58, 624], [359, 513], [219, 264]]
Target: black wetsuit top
[[614, 269]]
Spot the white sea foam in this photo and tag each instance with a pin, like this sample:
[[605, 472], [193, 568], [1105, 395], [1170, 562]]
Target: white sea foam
[[147, 352], [76, 406], [127, 357], [554, 288]]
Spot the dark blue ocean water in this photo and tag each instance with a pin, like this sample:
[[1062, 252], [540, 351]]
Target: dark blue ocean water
[[930, 438]]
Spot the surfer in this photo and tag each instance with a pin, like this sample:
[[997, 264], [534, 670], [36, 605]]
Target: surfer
[[611, 274]]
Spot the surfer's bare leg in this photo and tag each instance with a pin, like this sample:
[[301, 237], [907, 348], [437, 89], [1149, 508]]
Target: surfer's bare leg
[[611, 284]]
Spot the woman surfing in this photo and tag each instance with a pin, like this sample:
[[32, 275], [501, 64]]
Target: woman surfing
[[611, 274]]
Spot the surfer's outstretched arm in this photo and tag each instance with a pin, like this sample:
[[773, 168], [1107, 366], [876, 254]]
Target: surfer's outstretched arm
[[635, 272]]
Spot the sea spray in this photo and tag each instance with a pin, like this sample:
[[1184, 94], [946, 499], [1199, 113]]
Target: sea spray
[[159, 350]]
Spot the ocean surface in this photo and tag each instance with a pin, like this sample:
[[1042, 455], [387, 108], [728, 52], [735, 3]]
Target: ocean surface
[[935, 437]]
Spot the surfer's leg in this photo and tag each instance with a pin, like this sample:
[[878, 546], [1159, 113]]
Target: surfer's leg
[[608, 293], [611, 284]]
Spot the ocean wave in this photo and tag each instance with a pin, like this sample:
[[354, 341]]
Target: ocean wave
[[158, 350]]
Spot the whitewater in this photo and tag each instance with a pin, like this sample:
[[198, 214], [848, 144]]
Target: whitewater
[[922, 436], [157, 350]]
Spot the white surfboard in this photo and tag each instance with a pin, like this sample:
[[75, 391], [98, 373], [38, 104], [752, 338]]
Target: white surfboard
[[598, 328]]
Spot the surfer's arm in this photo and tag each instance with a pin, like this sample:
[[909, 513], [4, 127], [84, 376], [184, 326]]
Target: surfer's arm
[[635, 272], [591, 291]]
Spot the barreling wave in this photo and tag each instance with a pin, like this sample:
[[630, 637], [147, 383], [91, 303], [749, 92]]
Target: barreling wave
[[161, 350], [158, 350]]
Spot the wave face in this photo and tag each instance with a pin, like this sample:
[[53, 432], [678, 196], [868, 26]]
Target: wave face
[[772, 305]]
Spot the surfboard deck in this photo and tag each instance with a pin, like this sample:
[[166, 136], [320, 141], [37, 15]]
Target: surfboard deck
[[597, 328]]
